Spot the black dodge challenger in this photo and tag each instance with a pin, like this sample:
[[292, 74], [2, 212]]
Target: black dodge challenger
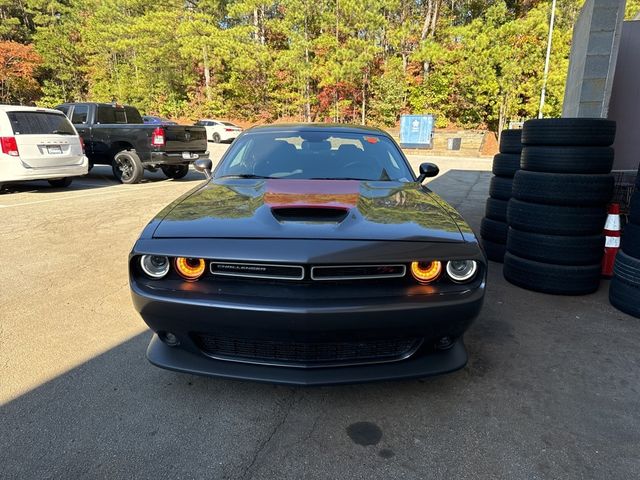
[[312, 255]]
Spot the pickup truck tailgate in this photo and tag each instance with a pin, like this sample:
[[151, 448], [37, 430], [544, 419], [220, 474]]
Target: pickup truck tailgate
[[180, 138]]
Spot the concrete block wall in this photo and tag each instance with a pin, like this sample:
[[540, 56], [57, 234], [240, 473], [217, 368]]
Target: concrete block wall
[[594, 52]]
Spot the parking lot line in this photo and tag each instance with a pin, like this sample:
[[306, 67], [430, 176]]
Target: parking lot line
[[103, 191]]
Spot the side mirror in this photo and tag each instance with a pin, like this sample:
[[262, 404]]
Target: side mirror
[[428, 170], [204, 165]]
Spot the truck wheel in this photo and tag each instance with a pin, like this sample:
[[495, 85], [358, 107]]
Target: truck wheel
[[127, 167], [60, 182], [175, 171], [216, 138]]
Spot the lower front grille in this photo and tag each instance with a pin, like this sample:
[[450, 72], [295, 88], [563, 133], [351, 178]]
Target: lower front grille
[[306, 354]]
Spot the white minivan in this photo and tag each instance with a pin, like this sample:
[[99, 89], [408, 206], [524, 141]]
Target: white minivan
[[39, 144]]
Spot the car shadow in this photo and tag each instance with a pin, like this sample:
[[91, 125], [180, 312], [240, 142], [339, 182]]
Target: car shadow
[[118, 416]]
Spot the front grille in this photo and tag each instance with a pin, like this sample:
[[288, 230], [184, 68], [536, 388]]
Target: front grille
[[357, 272], [257, 270], [306, 354]]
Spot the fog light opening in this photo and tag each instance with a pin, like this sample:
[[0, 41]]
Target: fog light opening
[[169, 338], [445, 343]]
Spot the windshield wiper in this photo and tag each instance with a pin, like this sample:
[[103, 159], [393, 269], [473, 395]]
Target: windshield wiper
[[244, 175], [342, 178]]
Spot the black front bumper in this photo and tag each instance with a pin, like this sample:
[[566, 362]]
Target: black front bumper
[[181, 360], [429, 318]]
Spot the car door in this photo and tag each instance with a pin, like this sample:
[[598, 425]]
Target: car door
[[80, 120], [45, 139]]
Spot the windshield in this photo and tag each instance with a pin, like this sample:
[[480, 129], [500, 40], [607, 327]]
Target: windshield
[[315, 155]]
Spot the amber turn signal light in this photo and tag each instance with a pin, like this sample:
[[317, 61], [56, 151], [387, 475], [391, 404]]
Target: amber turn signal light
[[190, 268], [426, 272]]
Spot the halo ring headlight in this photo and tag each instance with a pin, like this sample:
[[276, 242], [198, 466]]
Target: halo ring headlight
[[461, 271], [190, 268], [426, 272], [155, 266]]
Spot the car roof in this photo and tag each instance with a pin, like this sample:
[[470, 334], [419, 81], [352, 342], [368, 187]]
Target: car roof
[[20, 108], [317, 127]]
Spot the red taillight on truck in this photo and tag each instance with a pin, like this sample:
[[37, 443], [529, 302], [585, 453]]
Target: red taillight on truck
[[9, 146], [157, 139]]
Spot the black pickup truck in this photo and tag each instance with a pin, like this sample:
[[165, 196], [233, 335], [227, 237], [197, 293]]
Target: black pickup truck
[[115, 135]]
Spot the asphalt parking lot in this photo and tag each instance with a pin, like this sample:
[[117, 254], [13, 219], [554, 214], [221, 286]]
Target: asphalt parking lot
[[551, 389]]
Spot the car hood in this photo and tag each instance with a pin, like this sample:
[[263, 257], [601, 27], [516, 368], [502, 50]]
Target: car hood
[[310, 209]]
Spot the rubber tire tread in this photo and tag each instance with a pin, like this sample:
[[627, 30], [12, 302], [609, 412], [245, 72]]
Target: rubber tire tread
[[631, 240], [567, 159], [625, 297], [566, 189], [500, 188], [493, 230], [506, 164], [627, 269], [495, 251], [586, 132], [554, 219], [510, 141], [558, 249], [551, 278], [496, 209]]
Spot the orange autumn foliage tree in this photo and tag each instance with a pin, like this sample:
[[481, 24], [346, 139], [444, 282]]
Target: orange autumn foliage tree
[[18, 68]]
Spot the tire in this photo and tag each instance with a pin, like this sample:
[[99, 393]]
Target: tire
[[557, 249], [495, 251], [127, 167], [567, 159], [586, 132], [627, 269], [215, 138], [551, 278], [634, 208], [500, 188], [563, 189], [175, 171], [60, 182], [506, 164], [625, 297], [494, 231], [510, 141], [555, 220], [631, 240], [496, 209]]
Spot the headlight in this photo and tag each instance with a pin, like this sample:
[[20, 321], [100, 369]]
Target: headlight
[[462, 270], [426, 272], [190, 268], [155, 266]]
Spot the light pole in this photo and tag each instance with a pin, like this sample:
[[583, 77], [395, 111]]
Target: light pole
[[546, 61]]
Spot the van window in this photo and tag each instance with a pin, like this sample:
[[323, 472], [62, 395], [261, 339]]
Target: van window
[[40, 123], [79, 114]]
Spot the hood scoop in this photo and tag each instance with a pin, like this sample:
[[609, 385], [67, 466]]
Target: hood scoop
[[315, 213]]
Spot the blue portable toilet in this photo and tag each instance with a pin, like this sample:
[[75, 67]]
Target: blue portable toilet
[[416, 131]]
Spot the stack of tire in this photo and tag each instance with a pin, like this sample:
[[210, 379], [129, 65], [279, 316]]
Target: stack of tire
[[493, 229], [559, 206], [624, 292]]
